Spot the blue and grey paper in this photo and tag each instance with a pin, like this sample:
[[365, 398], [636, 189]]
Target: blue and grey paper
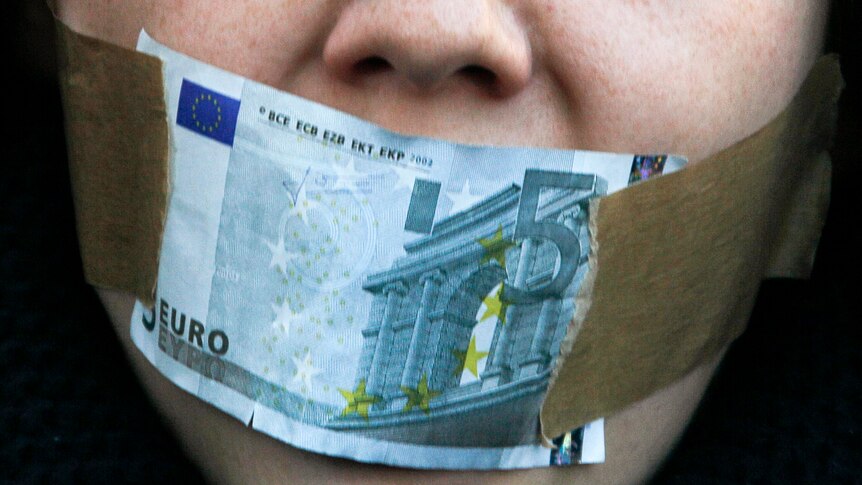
[[364, 294]]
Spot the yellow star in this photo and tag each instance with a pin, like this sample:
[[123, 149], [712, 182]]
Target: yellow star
[[421, 396], [357, 401], [495, 306], [495, 247], [469, 359]]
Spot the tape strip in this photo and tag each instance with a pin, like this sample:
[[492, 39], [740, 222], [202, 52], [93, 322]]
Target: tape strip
[[802, 222], [117, 137], [754, 210], [672, 287]]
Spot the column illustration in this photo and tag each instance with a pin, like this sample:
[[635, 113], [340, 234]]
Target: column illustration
[[379, 365], [421, 329]]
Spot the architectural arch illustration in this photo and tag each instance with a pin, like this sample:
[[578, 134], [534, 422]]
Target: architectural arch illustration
[[458, 308], [425, 308]]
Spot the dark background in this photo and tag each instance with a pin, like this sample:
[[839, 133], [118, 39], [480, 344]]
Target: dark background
[[785, 407]]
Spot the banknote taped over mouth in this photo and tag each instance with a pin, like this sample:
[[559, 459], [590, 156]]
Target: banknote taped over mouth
[[714, 231]]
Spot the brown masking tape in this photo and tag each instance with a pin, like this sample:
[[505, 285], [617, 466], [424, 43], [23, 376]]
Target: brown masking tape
[[117, 140], [675, 262]]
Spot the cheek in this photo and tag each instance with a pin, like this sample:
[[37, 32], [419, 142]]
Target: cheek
[[267, 40], [88, 17], [690, 78]]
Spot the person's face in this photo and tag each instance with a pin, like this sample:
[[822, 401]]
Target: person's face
[[645, 76], [642, 76]]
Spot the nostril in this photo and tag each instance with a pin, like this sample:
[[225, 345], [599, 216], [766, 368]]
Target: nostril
[[478, 75], [371, 65], [435, 46]]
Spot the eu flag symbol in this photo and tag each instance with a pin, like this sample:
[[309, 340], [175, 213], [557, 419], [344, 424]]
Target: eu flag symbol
[[207, 112]]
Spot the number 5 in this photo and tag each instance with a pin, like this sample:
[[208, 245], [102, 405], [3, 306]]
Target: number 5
[[561, 236]]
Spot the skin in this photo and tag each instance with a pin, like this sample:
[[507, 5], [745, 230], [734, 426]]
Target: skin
[[646, 76]]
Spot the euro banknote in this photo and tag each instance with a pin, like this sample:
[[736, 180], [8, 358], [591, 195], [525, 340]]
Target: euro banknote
[[365, 294]]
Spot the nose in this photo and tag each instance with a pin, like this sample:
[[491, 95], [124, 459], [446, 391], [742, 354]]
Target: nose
[[427, 44]]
